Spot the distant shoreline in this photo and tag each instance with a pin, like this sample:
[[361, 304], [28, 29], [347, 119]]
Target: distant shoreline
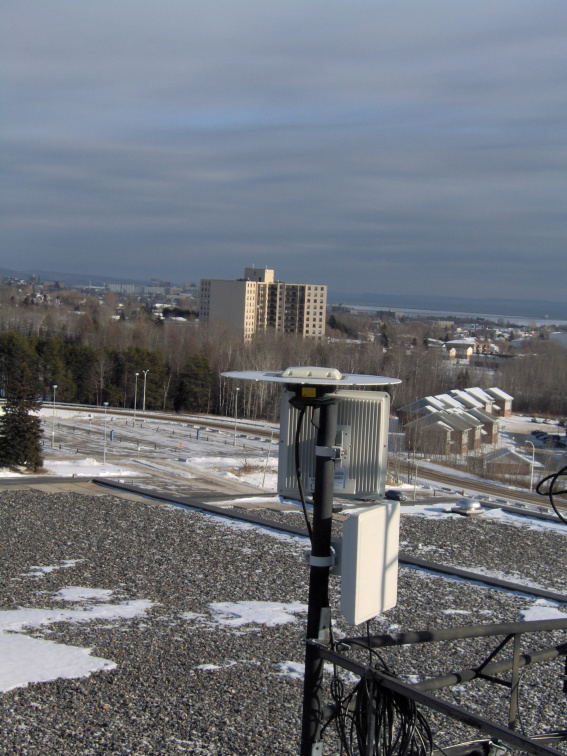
[[448, 314]]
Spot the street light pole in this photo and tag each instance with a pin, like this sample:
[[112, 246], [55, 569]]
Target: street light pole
[[417, 464], [53, 421], [104, 445], [415, 477], [145, 372], [235, 411], [533, 463], [135, 393]]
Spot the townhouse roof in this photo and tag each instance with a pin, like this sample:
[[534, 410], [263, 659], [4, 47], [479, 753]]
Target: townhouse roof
[[450, 401], [430, 423], [498, 393], [460, 420], [484, 417], [509, 454], [466, 399], [481, 395], [418, 404]]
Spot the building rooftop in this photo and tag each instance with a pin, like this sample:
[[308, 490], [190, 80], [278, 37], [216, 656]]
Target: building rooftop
[[198, 621]]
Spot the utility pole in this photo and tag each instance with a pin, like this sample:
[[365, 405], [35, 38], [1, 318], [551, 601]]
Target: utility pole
[[104, 445], [135, 393], [145, 372], [235, 411], [53, 420]]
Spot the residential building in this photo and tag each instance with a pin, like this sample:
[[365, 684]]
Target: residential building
[[259, 303], [462, 419], [502, 400], [505, 462]]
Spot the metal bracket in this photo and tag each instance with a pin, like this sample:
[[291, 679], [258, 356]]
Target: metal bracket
[[325, 625], [316, 561], [333, 561], [331, 452]]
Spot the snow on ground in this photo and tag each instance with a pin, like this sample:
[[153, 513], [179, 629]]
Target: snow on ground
[[85, 468], [521, 521], [240, 456], [76, 593], [255, 470], [526, 424], [542, 610], [266, 613], [26, 660], [42, 570]]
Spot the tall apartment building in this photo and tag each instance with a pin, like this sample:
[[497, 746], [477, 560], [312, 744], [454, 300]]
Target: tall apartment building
[[258, 303]]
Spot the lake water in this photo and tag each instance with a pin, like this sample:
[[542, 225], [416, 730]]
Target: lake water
[[448, 315]]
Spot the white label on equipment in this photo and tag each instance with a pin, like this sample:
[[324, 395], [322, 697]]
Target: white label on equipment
[[340, 477]]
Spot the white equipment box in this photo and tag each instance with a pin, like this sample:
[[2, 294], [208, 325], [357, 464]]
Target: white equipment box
[[362, 438], [369, 562]]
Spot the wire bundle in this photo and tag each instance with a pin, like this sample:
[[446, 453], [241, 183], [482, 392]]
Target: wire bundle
[[549, 487], [372, 720]]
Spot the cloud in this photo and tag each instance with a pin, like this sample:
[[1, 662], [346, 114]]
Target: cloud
[[334, 142]]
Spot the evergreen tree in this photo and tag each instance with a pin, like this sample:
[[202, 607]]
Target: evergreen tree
[[20, 430], [195, 386]]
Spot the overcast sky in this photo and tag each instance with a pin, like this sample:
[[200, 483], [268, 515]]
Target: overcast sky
[[373, 146]]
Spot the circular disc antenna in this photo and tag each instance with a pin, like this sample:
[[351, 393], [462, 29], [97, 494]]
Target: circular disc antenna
[[312, 376]]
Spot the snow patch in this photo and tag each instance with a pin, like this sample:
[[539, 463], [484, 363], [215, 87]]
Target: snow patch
[[75, 594], [267, 613], [25, 660], [542, 610]]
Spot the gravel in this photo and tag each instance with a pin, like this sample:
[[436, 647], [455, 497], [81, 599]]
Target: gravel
[[186, 683]]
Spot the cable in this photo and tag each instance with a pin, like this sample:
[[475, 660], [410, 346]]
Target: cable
[[298, 472], [372, 720], [551, 492]]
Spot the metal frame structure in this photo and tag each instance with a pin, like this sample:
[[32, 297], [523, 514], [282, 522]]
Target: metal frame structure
[[489, 670]]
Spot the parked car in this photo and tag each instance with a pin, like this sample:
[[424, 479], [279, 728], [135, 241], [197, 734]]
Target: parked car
[[391, 493]]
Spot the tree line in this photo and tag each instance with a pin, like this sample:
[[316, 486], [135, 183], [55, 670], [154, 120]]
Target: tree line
[[92, 356], [186, 377]]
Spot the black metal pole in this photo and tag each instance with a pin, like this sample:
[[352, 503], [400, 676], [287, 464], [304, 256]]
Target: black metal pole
[[318, 615]]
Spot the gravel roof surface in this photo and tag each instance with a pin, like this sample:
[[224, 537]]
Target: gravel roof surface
[[185, 682]]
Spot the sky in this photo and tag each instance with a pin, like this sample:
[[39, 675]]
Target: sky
[[373, 146]]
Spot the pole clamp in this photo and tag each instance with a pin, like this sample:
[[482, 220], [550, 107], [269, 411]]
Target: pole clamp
[[331, 452], [321, 561]]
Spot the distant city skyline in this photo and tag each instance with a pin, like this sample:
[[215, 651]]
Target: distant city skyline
[[523, 310], [371, 146]]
